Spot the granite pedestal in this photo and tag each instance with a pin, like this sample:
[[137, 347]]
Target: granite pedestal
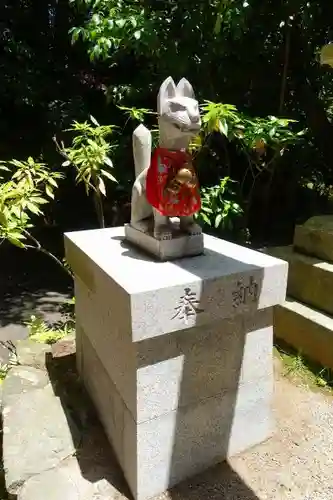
[[177, 356]]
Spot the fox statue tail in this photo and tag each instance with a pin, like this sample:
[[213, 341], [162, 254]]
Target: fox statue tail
[[142, 144]]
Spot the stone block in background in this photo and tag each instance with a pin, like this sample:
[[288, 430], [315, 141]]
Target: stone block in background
[[315, 237], [309, 280], [177, 356], [306, 329]]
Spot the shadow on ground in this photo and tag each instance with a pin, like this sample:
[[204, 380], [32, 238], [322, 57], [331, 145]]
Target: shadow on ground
[[94, 454], [30, 283]]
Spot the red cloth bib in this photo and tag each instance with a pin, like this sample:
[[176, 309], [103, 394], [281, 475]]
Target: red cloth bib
[[164, 166]]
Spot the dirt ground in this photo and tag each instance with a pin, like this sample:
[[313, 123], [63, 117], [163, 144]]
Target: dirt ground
[[295, 464]]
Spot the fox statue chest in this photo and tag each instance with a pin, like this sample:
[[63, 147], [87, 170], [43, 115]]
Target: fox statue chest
[[172, 186]]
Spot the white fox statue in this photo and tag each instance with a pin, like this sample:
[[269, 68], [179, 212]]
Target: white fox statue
[[166, 184]]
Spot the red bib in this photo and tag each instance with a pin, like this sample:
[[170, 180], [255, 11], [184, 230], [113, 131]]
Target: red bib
[[164, 166]]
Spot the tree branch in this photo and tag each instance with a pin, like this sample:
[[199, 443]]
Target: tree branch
[[39, 248]]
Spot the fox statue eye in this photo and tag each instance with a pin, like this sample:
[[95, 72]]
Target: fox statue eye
[[174, 108]]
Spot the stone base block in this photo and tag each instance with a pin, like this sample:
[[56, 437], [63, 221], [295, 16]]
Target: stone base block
[[306, 329], [180, 246], [177, 356], [309, 278], [160, 452], [315, 237]]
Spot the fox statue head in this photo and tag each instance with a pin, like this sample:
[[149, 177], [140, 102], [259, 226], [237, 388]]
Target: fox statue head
[[178, 110]]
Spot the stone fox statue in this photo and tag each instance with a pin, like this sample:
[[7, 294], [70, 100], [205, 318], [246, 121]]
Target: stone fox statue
[[166, 184]]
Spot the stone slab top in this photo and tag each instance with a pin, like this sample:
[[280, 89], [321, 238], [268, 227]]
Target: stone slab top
[[150, 298], [137, 272]]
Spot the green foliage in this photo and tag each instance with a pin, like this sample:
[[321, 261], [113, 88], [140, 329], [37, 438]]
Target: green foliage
[[302, 368], [260, 143], [219, 209], [136, 114], [89, 154], [116, 26], [4, 369], [12, 358], [113, 25], [253, 134], [68, 312], [30, 186], [42, 333], [261, 56], [31, 174]]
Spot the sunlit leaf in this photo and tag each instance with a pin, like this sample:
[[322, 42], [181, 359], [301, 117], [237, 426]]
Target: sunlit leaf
[[101, 186], [321, 382], [108, 161], [223, 127], [206, 219], [95, 122], [108, 175], [53, 182], [15, 241], [3, 219], [218, 220], [49, 192], [33, 208]]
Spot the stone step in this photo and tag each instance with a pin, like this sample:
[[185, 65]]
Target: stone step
[[306, 329], [315, 237], [49, 450], [309, 280], [36, 431]]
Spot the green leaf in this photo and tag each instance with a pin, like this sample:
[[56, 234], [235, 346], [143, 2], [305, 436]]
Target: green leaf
[[205, 218], [33, 208], [121, 23], [16, 211], [49, 192], [38, 200], [321, 382], [52, 181], [218, 220], [108, 161], [108, 175], [15, 240], [101, 186], [223, 127], [137, 35], [3, 219], [95, 122]]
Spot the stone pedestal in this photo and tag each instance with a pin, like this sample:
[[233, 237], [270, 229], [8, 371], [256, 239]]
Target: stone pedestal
[[177, 356], [181, 245]]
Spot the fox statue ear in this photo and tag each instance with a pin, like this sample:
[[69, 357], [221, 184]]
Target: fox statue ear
[[167, 91], [185, 89]]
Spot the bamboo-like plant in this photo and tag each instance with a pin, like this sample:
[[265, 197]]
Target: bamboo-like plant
[[90, 155]]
